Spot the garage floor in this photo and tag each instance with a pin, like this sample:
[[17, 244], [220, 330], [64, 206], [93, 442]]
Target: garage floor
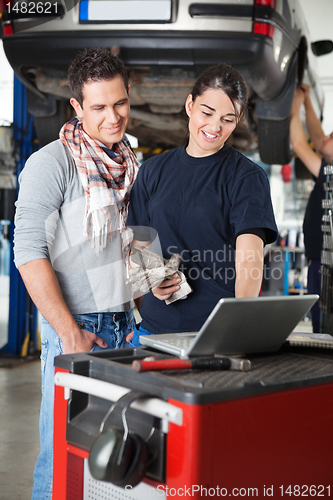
[[19, 412], [19, 440]]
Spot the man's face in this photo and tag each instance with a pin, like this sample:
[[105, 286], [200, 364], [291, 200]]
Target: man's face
[[105, 110]]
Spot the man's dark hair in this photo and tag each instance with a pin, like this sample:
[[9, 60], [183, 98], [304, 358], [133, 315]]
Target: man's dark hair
[[94, 65]]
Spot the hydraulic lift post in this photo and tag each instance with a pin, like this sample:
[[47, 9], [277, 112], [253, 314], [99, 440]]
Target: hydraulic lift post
[[22, 320]]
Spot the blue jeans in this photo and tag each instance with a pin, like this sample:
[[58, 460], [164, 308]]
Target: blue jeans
[[112, 328]]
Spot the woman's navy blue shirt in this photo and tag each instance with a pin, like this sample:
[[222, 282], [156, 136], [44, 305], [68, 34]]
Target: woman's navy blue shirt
[[198, 206]]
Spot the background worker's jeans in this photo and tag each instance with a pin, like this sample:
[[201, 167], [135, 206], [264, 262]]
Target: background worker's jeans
[[112, 328]]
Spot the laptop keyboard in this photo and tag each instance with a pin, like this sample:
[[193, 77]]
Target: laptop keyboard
[[181, 342]]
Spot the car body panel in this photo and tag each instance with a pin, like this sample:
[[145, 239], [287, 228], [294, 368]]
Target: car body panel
[[165, 56]]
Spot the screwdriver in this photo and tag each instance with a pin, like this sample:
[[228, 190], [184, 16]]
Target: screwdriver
[[204, 363]]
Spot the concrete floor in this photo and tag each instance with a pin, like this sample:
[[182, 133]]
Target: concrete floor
[[20, 397], [4, 308]]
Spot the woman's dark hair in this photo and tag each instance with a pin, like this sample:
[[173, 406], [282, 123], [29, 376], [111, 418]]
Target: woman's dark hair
[[226, 78], [94, 65]]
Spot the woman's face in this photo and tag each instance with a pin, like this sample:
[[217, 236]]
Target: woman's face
[[212, 119]]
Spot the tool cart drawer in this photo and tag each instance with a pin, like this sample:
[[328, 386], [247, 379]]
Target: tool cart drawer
[[208, 433]]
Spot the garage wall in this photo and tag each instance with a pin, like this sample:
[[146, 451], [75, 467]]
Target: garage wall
[[328, 114], [6, 89], [319, 15]]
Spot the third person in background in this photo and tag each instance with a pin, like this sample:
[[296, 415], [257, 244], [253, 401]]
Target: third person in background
[[315, 162]]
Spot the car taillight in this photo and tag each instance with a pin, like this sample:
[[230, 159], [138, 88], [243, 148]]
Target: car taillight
[[268, 3], [262, 28], [6, 24]]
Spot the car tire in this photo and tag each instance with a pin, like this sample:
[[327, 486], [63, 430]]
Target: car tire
[[273, 140], [48, 127], [302, 60]]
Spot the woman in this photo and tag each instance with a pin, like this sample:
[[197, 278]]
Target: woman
[[207, 202]]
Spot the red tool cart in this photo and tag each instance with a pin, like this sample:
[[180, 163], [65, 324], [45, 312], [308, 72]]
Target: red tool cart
[[267, 432]]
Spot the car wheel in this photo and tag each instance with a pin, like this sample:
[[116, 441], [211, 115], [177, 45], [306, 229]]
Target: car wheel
[[274, 142], [48, 127]]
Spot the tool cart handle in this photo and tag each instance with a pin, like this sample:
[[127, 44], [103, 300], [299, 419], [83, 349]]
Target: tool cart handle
[[112, 392]]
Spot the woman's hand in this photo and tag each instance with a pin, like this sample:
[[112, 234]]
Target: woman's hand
[[167, 287]]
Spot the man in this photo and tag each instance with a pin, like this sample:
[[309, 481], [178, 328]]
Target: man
[[70, 235], [315, 162]]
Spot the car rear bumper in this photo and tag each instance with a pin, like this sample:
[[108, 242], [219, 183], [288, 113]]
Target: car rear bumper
[[251, 54]]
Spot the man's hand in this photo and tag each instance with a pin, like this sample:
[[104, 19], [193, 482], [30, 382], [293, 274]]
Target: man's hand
[[166, 288], [129, 337], [81, 341]]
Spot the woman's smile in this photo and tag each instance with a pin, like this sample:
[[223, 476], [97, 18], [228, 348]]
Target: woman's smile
[[208, 136]]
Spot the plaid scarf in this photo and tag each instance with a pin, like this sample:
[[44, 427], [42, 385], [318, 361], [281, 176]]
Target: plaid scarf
[[106, 182]]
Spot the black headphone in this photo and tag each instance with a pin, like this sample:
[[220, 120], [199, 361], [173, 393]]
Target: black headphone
[[118, 455]]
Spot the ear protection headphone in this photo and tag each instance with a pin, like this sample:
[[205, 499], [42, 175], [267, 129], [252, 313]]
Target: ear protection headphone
[[118, 455]]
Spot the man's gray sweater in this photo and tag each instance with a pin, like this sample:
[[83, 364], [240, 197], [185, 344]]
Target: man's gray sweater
[[49, 224]]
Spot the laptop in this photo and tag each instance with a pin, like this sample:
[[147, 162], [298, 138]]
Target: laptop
[[238, 326]]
